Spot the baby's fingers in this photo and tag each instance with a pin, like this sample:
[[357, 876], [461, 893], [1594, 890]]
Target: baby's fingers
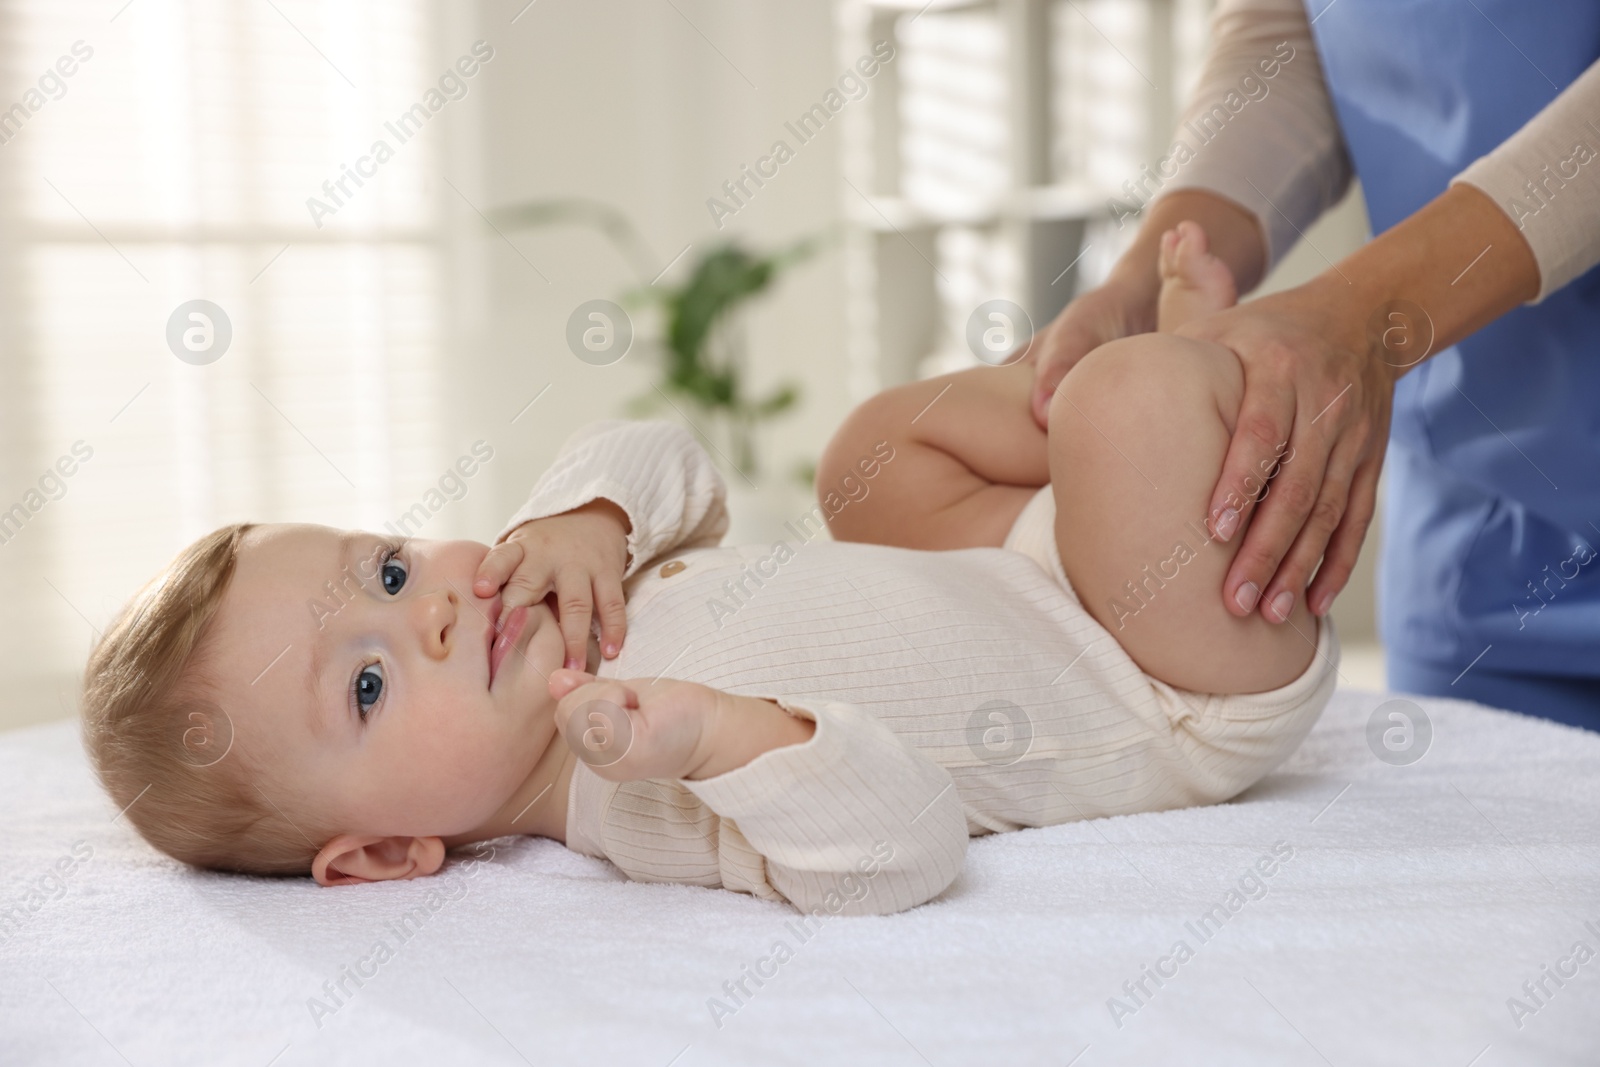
[[496, 567], [593, 716], [564, 680], [611, 606], [573, 600]]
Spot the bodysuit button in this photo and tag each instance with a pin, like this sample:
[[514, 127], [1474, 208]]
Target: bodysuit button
[[669, 569]]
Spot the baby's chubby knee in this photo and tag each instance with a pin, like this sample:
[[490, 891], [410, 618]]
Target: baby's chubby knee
[[1149, 380], [1138, 433]]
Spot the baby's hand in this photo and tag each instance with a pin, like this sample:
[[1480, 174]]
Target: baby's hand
[[581, 555], [636, 729]]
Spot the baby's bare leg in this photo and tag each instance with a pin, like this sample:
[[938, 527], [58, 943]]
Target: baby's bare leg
[[961, 455], [1138, 432]]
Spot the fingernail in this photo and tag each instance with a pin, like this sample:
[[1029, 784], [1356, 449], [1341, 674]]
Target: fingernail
[[1324, 602], [611, 650], [1245, 596], [574, 664], [1282, 603], [1227, 522]]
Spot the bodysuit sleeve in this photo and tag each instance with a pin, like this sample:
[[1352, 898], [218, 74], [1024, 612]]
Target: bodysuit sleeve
[[852, 822], [654, 471]]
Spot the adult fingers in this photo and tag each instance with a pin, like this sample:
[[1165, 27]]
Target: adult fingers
[[497, 566], [1294, 571], [1259, 443], [1103, 314], [611, 606], [1064, 344], [1345, 547], [1278, 520], [575, 602]]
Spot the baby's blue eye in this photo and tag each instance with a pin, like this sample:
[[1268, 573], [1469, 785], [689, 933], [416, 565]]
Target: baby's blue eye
[[368, 687], [393, 575]]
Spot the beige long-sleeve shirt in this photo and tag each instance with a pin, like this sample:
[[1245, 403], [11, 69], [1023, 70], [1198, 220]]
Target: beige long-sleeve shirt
[[1286, 161], [954, 693]]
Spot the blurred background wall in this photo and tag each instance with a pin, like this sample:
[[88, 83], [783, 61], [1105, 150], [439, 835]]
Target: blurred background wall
[[357, 339]]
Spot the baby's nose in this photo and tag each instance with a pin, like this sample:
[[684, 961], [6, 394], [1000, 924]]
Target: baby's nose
[[436, 615]]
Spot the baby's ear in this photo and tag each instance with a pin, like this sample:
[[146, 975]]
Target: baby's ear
[[350, 859]]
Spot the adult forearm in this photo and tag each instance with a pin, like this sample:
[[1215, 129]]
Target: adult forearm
[[1451, 268]]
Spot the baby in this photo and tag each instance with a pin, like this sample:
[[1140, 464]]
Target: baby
[[819, 721]]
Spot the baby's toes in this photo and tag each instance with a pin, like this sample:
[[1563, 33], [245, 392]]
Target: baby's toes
[[1189, 250], [1167, 260], [1198, 269]]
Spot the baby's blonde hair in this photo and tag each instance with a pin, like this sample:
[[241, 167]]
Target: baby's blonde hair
[[162, 746]]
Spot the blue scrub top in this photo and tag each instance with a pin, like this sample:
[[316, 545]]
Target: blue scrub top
[[1491, 556]]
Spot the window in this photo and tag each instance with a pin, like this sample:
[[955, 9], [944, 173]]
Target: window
[[174, 163]]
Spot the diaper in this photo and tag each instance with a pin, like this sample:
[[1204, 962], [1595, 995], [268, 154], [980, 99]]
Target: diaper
[[1034, 535], [1255, 731]]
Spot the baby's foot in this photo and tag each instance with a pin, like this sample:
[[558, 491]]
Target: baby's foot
[[1194, 283]]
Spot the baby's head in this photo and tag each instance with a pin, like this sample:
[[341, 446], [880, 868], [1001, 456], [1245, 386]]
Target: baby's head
[[292, 699]]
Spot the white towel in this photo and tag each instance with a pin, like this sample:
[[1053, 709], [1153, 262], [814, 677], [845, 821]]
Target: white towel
[[1417, 901]]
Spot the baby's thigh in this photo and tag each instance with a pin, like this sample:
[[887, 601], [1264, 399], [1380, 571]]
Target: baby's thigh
[[1138, 432]]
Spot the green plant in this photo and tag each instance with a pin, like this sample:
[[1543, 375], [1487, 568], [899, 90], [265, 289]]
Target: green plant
[[703, 338], [705, 342]]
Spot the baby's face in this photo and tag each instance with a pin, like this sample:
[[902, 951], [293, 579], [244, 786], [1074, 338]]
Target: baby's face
[[358, 678]]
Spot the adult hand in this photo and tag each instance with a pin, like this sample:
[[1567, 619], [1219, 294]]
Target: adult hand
[[1125, 303], [1117, 308], [1318, 394]]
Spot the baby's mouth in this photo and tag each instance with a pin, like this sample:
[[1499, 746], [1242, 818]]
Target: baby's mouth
[[507, 629]]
